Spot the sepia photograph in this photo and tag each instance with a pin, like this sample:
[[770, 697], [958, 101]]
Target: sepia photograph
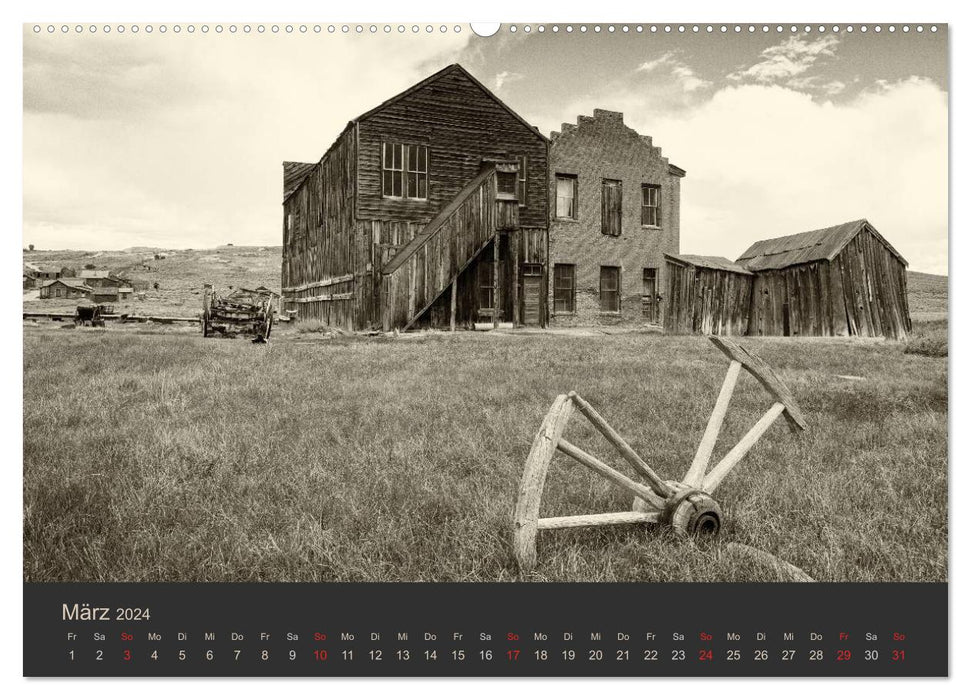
[[566, 303]]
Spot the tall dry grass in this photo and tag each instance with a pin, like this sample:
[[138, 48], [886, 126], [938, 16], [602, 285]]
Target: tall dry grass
[[168, 457]]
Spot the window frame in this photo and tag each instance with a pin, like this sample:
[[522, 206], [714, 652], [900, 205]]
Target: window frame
[[655, 207], [605, 215], [616, 291], [572, 301], [522, 183], [575, 199], [400, 174]]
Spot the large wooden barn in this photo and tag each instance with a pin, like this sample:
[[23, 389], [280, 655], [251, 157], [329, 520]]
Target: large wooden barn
[[429, 210], [844, 280]]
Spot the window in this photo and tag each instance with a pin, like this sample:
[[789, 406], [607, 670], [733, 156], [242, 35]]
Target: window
[[610, 289], [521, 182], [404, 171], [566, 197], [506, 184], [564, 288], [611, 207], [650, 205], [486, 289]]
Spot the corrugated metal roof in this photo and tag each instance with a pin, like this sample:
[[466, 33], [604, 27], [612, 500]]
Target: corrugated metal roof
[[821, 244], [293, 176], [713, 262]]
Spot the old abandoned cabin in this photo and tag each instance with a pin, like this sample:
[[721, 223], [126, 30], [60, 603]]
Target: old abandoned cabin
[[65, 288], [430, 209], [844, 280], [617, 204]]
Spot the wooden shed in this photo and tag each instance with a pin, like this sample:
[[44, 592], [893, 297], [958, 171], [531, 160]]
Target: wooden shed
[[706, 294], [430, 209], [837, 281]]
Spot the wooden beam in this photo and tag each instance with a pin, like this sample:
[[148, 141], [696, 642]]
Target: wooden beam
[[322, 283], [495, 281], [526, 514], [324, 297], [624, 518], [656, 482], [735, 455], [451, 323], [514, 246], [609, 473], [758, 368], [696, 473]]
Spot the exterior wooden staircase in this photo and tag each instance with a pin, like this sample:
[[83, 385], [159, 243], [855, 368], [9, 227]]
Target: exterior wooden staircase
[[431, 263]]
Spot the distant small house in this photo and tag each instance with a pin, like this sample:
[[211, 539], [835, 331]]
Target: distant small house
[[42, 273], [105, 294], [65, 288], [29, 281], [103, 278]]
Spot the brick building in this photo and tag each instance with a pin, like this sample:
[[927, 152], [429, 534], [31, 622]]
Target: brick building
[[615, 211]]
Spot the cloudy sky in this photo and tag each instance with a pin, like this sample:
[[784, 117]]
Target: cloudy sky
[[177, 140]]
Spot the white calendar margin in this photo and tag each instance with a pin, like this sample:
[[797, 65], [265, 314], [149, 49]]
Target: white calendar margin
[[708, 11]]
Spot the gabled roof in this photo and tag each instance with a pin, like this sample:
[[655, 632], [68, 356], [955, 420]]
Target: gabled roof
[[297, 180], [453, 68], [68, 282], [712, 262], [809, 246], [293, 176]]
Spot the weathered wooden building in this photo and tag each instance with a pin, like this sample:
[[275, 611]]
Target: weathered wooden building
[[616, 212], [65, 288], [706, 294], [842, 280], [430, 209]]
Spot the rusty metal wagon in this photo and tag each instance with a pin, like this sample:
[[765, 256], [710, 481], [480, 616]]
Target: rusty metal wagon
[[242, 311]]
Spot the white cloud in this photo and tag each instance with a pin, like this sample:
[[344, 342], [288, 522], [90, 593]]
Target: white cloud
[[786, 61], [767, 161], [686, 77], [193, 156], [506, 77]]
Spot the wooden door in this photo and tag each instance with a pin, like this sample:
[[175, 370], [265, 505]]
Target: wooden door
[[532, 293], [649, 295]]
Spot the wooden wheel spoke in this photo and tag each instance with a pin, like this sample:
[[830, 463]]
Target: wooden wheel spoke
[[609, 473], [696, 473], [735, 455]]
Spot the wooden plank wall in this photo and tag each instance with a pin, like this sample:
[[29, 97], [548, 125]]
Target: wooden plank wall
[[322, 261], [862, 291], [428, 272], [704, 300], [461, 125]]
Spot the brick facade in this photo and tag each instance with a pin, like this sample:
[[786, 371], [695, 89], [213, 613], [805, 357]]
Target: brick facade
[[593, 150]]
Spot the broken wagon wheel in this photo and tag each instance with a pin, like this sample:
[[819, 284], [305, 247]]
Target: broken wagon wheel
[[687, 506]]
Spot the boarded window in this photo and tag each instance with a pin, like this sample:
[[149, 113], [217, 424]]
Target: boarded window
[[521, 183], [404, 171], [612, 207], [564, 288], [609, 288], [650, 205], [566, 196]]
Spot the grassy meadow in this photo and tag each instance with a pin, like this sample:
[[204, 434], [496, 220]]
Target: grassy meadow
[[157, 455]]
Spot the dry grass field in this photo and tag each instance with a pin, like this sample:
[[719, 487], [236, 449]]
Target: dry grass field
[[157, 455]]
